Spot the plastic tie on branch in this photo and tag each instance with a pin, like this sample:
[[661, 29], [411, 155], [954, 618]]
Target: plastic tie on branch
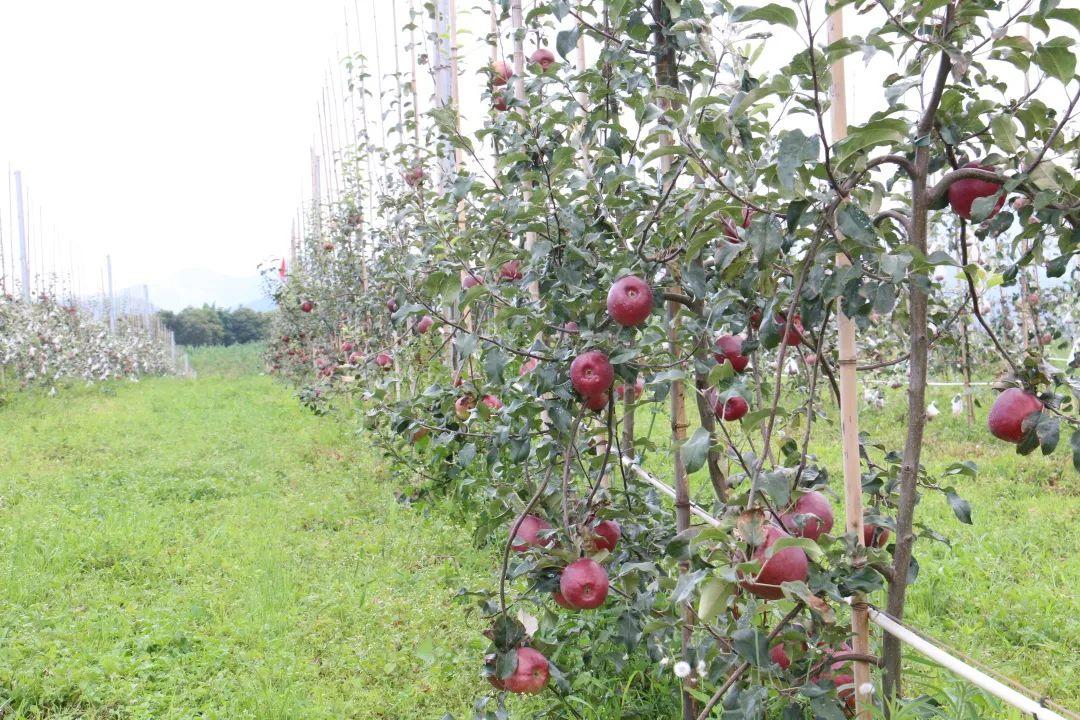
[[1037, 709]]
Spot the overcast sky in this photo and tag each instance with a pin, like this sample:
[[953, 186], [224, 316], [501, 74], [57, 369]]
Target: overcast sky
[[176, 135]]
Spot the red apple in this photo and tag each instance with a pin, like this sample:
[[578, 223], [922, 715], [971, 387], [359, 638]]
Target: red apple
[[963, 193], [570, 328], [1046, 339], [391, 305], [414, 176], [755, 318], [384, 361], [591, 373], [811, 359], [470, 280], [875, 536], [787, 565], [528, 366], [562, 601], [779, 656], [544, 58], [510, 271], [606, 535], [816, 516], [630, 301], [732, 409], [597, 403], [464, 405], [526, 536], [531, 674], [347, 347], [501, 72], [584, 584], [492, 402], [355, 358], [1033, 299], [729, 348], [424, 324], [639, 388], [307, 306], [1008, 412], [499, 102], [794, 333], [328, 246]]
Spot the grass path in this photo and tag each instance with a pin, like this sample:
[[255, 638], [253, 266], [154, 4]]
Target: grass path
[[206, 548]]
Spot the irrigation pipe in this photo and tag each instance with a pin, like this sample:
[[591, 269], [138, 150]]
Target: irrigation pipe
[[1032, 708]]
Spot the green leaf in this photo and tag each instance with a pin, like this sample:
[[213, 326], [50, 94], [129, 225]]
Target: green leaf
[[960, 507], [1004, 133], [1048, 430], [856, 224], [695, 450], [713, 595], [771, 13], [1056, 59], [1074, 441], [886, 131], [751, 645], [795, 150], [566, 41], [685, 587]]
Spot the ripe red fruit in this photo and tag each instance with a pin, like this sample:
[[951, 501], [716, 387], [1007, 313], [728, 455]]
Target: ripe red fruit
[[424, 324], [347, 347], [1008, 412], [510, 271], [732, 409], [779, 656], [328, 246], [729, 348], [531, 674], [391, 305], [544, 58], [755, 318], [469, 281], [606, 535], [875, 536], [570, 327], [639, 388], [501, 72], [528, 366], [526, 536], [817, 516], [419, 434], [463, 406], [811, 359], [355, 358], [597, 403], [1033, 299], [591, 374], [1046, 339], [794, 333], [414, 176], [384, 361], [498, 101], [630, 301], [562, 601], [307, 306], [963, 193], [492, 402], [840, 675], [584, 584], [787, 565]]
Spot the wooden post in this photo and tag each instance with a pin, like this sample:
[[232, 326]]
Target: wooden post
[[24, 255], [849, 410]]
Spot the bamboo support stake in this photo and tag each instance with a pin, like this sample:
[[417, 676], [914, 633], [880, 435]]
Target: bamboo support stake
[[849, 412]]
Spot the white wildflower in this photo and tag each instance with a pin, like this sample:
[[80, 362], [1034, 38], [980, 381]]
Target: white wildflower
[[664, 661], [701, 667], [682, 669]]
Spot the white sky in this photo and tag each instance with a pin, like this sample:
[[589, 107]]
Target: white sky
[[176, 135]]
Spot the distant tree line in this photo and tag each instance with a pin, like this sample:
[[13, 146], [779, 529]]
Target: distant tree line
[[210, 325]]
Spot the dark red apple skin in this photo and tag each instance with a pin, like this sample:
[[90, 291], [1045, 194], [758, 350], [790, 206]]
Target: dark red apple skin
[[606, 535], [528, 366], [391, 305], [597, 403], [501, 72], [492, 402], [463, 406], [355, 358], [794, 333], [779, 656], [307, 306], [424, 324], [531, 674], [963, 193], [526, 536], [384, 361], [510, 271], [562, 601], [1007, 414], [498, 101], [543, 57], [787, 565], [470, 280], [347, 347], [414, 176], [630, 301], [734, 408], [584, 584], [729, 349], [591, 374], [817, 516], [874, 536]]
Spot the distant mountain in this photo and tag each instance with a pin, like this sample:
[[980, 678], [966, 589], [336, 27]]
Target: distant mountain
[[198, 286]]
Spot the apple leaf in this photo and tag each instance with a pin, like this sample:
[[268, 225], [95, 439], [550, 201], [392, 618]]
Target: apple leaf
[[771, 13], [712, 599], [856, 224], [695, 450], [751, 645], [506, 663], [1075, 443], [629, 630], [685, 587], [566, 41], [960, 507], [1049, 431], [1056, 59], [507, 634], [795, 150]]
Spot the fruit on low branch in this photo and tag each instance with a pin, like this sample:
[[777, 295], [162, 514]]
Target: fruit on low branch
[[810, 517], [794, 334], [527, 533], [544, 58], [528, 366], [811, 359], [570, 328], [605, 536], [347, 347], [470, 280], [392, 305], [729, 349], [561, 601], [499, 102], [732, 409], [328, 246], [630, 301], [787, 565], [639, 389], [307, 306], [424, 324], [384, 361], [531, 674], [501, 72], [355, 358], [584, 584], [464, 405], [591, 374], [963, 193], [1033, 299], [1007, 414], [510, 271], [875, 536], [597, 403], [492, 402], [414, 176], [1046, 339], [779, 655]]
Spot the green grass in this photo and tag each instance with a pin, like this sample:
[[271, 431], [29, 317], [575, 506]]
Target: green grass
[[205, 548]]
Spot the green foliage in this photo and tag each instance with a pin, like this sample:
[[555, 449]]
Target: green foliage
[[210, 325]]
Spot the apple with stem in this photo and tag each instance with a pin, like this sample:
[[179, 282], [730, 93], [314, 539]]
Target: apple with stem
[[584, 584], [605, 536], [630, 301], [730, 410], [527, 535], [963, 193], [591, 374], [729, 349], [1007, 414], [787, 565], [811, 516], [531, 674]]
